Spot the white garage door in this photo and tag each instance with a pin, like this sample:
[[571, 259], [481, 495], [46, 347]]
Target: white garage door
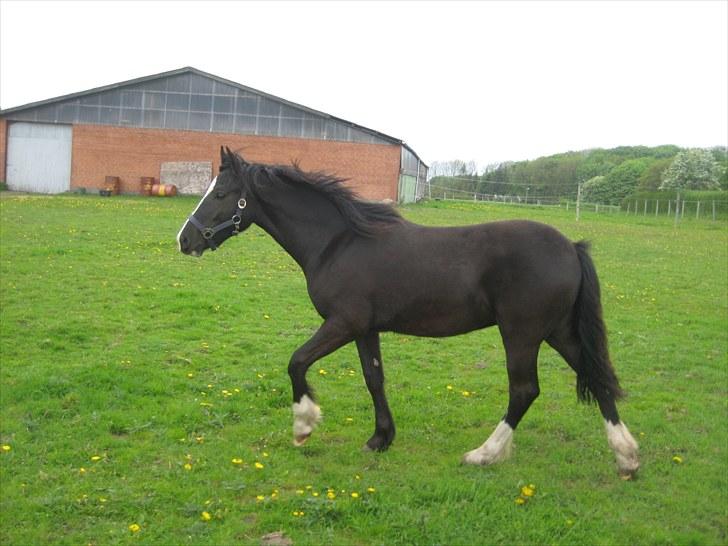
[[39, 157]]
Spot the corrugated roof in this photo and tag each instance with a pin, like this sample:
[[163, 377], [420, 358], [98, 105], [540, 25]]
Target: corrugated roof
[[192, 70]]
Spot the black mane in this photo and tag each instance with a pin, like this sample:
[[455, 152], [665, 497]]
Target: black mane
[[366, 218]]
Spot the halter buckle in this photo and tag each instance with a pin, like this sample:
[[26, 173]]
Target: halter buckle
[[242, 203], [207, 233]]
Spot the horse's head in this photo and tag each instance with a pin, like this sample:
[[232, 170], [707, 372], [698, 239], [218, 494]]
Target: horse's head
[[223, 210]]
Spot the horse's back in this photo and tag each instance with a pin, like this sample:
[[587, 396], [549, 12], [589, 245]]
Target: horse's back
[[440, 281]]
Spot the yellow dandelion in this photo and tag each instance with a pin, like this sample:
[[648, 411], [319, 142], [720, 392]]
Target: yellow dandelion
[[190, 375], [299, 491], [298, 513], [315, 493], [96, 458], [528, 490], [677, 459], [322, 372], [449, 387], [6, 448], [569, 522], [188, 466], [309, 487], [134, 528], [259, 498], [354, 495], [265, 454], [370, 490], [206, 516], [237, 460], [331, 495], [520, 500], [357, 477], [465, 393], [258, 465], [199, 439], [82, 470]]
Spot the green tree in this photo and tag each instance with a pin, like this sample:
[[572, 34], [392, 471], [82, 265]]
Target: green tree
[[694, 169], [651, 179], [624, 178]]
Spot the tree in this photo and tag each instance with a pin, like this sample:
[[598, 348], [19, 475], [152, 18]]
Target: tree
[[651, 179], [624, 178], [694, 169], [595, 190]]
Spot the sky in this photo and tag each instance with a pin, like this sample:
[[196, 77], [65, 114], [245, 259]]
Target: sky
[[477, 81]]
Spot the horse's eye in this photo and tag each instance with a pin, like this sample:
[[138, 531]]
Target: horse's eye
[[220, 194]]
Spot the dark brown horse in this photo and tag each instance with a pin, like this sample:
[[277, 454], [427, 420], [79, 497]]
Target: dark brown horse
[[369, 271]]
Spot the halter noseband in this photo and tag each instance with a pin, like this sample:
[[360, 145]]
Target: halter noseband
[[209, 232]]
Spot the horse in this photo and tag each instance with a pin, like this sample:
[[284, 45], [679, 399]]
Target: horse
[[369, 270]]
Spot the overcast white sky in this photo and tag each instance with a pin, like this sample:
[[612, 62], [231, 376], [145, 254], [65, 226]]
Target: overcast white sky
[[476, 81]]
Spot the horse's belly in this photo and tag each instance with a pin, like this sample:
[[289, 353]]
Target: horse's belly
[[436, 319]]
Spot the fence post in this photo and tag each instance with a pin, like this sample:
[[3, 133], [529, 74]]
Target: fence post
[[645, 213], [697, 211], [657, 207], [713, 211], [682, 212], [669, 207], [677, 208], [578, 201]]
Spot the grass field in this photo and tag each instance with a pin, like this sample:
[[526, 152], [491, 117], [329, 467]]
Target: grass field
[[144, 395]]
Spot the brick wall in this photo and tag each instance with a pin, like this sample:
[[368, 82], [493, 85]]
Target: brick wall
[[130, 153], [3, 148]]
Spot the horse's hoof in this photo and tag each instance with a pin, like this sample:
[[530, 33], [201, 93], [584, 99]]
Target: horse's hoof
[[298, 441], [379, 443], [628, 474]]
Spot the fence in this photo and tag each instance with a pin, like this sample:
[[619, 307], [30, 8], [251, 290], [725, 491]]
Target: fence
[[709, 209]]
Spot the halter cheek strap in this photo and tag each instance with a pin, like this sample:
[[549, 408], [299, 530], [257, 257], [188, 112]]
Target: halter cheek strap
[[208, 233]]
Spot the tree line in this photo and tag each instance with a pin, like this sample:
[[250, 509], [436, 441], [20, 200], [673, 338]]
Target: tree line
[[606, 175]]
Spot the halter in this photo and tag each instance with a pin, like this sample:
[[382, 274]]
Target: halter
[[209, 232]]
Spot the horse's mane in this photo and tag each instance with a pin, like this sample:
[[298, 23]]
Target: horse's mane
[[366, 218]]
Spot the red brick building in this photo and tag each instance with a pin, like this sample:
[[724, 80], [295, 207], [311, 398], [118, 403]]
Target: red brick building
[[130, 129]]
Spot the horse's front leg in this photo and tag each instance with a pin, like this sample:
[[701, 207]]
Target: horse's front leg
[[306, 413], [371, 365]]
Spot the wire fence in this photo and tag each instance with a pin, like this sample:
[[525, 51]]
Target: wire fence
[[708, 209]]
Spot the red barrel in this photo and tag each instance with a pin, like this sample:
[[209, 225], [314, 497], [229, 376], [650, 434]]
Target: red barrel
[[145, 185], [164, 190]]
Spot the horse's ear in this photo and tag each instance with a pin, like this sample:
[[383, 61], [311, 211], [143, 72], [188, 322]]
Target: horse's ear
[[223, 155]]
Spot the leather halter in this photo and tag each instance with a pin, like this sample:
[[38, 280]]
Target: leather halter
[[209, 232]]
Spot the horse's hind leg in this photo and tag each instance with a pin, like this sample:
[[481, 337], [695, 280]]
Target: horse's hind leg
[[371, 365], [521, 361], [624, 446]]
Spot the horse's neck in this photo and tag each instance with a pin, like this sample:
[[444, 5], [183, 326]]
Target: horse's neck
[[302, 222]]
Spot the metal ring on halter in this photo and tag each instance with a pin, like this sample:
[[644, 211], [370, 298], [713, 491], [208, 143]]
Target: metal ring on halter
[[207, 233], [236, 219], [242, 203]]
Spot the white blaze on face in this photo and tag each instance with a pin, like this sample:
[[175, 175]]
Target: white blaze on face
[[210, 189], [495, 449]]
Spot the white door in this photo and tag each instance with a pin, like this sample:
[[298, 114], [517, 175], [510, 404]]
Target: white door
[[39, 157]]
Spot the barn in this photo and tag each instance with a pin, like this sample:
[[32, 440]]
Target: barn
[[170, 126]]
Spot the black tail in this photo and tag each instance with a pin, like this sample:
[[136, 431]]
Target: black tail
[[595, 376]]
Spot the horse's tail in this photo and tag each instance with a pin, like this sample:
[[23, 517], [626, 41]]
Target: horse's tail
[[595, 374]]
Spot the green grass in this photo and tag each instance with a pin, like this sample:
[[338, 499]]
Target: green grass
[[116, 346]]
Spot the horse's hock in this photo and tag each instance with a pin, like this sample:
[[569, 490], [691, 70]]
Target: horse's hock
[[190, 177]]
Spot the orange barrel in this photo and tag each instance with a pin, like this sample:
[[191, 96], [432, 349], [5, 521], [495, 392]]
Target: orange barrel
[[145, 184], [164, 190], [112, 184]]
